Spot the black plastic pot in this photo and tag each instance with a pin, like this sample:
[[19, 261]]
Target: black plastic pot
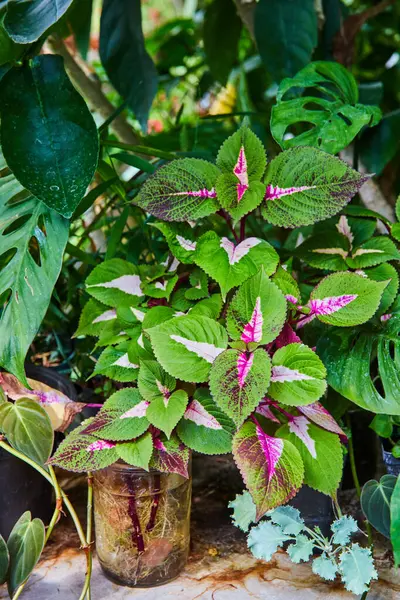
[[316, 509], [22, 488]]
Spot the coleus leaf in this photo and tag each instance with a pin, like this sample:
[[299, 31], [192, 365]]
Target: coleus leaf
[[242, 161], [327, 250], [93, 318], [165, 413], [320, 451], [122, 417], [357, 568], [375, 251], [348, 356], [153, 382], [387, 273], [162, 288], [239, 380], [287, 284], [60, 409], [131, 315], [318, 414], [137, 452], [343, 529], [204, 427], [187, 346], [305, 185], [230, 264], [209, 307], [181, 190], [265, 539], [170, 456], [180, 239], [257, 312], [272, 468], [345, 299], [244, 510], [199, 282], [114, 282], [81, 453], [156, 316], [118, 363], [298, 375]]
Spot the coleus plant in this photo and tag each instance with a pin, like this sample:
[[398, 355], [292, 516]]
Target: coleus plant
[[210, 341]]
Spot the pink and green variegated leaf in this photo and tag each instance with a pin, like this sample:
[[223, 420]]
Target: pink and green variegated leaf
[[320, 416], [257, 312], [271, 468], [230, 264], [118, 363], [238, 199], [165, 413], [122, 417], [162, 288], [115, 282], [180, 238], [320, 451], [182, 190], [239, 380], [345, 299], [81, 453], [170, 456], [153, 382], [287, 284], [199, 282], [286, 336], [298, 375], [137, 452], [93, 318], [187, 346], [374, 252], [205, 427], [305, 185], [385, 272]]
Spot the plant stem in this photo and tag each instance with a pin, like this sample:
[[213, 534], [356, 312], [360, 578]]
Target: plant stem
[[338, 509], [156, 501], [228, 220], [88, 548], [137, 536], [242, 234]]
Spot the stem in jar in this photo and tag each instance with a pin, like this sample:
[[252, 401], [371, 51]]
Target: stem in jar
[[137, 536], [156, 502]]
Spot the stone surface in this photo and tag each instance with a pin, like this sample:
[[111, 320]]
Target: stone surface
[[219, 568]]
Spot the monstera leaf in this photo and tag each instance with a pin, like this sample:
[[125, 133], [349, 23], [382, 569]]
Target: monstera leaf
[[204, 427], [181, 190], [306, 185], [348, 356], [271, 467], [231, 264], [239, 380], [187, 346], [32, 242], [242, 161], [52, 128], [332, 110], [257, 312]]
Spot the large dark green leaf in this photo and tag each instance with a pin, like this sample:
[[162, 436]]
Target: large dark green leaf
[[32, 242], [4, 560], [25, 546], [9, 50], [381, 144], [330, 108], [222, 27], [286, 35], [375, 502], [348, 356], [48, 134], [26, 21], [395, 522], [124, 56], [28, 428]]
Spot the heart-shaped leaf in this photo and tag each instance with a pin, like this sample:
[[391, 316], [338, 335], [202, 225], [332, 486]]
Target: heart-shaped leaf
[[257, 312], [4, 560], [239, 380], [137, 452], [28, 428], [298, 375], [186, 347], [272, 468], [230, 264], [46, 122], [204, 427], [305, 185], [165, 413], [25, 22], [25, 546], [375, 502], [182, 190]]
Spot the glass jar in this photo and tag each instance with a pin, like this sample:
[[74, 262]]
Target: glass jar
[[142, 522]]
